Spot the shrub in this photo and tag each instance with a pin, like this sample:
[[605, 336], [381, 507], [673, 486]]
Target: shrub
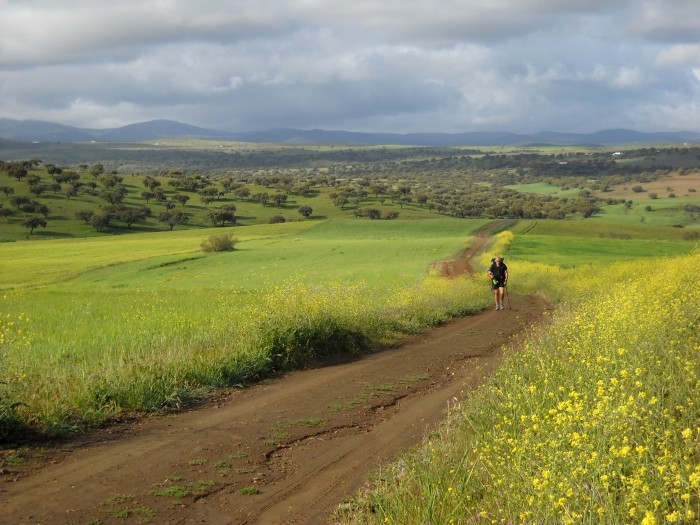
[[219, 242], [277, 219]]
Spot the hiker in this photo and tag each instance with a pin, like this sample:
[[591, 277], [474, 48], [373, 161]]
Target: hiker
[[499, 279]]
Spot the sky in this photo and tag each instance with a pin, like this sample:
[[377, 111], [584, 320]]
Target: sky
[[395, 66]]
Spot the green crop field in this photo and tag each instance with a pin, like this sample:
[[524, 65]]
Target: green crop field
[[596, 241], [82, 311]]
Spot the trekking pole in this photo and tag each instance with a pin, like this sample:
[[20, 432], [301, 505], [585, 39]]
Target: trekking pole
[[508, 297]]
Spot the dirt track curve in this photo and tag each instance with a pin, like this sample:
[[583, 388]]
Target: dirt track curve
[[282, 452]]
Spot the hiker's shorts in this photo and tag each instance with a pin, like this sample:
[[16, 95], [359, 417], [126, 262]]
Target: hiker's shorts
[[499, 284]]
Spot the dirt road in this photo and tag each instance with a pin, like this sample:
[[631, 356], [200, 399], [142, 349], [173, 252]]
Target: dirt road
[[285, 451]]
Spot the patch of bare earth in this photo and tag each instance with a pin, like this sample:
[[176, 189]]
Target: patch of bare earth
[[686, 185], [281, 452]]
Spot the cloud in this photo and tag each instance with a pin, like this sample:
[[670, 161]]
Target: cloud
[[379, 65]]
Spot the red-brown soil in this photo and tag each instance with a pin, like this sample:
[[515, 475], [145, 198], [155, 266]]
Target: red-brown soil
[[284, 451]]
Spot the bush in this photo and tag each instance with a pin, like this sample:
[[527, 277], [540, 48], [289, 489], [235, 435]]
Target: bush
[[277, 219], [219, 242]]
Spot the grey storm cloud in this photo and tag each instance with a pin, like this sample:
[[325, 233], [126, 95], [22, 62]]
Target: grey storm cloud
[[368, 65]]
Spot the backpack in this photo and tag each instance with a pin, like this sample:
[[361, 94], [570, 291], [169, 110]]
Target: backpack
[[493, 264]]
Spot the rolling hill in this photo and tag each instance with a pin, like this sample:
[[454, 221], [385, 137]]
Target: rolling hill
[[40, 131]]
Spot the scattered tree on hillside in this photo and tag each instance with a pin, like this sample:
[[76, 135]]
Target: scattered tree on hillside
[[70, 191], [373, 213], [42, 209], [181, 198], [16, 170], [151, 182], [100, 222], [241, 193], [262, 198], [52, 169], [172, 218], [32, 179], [221, 216], [19, 201], [37, 189], [305, 211], [114, 195], [279, 199], [111, 181], [84, 215], [96, 170], [129, 216], [32, 223]]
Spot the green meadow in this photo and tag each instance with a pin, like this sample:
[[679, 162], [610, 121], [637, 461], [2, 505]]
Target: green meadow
[[95, 328], [544, 188], [595, 241], [384, 253]]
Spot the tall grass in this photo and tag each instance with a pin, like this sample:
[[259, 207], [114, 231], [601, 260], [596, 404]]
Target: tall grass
[[156, 351], [594, 421]]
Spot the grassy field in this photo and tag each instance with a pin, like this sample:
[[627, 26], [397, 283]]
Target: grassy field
[[595, 241], [94, 328], [380, 252]]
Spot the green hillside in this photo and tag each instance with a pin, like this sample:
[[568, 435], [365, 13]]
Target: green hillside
[[272, 183]]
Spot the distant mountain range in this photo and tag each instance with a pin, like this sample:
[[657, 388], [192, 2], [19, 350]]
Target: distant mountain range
[[39, 131]]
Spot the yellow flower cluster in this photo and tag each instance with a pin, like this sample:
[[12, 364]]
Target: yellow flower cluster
[[499, 246], [605, 421], [12, 331]]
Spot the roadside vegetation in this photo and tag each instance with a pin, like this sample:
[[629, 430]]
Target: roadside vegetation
[[594, 420]]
